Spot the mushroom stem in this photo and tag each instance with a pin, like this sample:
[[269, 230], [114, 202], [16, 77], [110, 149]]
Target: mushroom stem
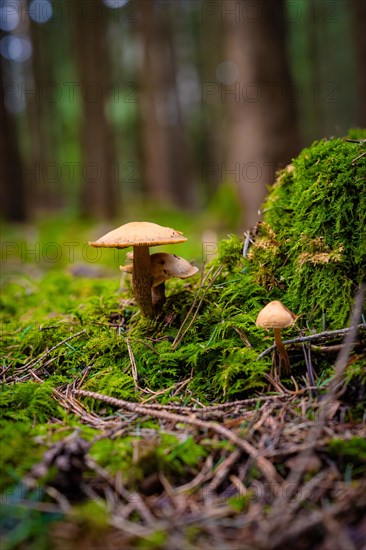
[[284, 360], [141, 280], [158, 297]]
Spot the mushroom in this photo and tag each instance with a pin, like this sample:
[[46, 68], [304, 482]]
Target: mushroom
[[275, 315], [140, 235], [163, 266]]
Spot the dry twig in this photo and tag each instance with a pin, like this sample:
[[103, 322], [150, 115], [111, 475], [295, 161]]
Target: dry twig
[[314, 337], [267, 469]]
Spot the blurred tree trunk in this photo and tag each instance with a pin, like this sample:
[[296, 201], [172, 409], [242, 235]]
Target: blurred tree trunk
[[359, 32], [40, 79], [12, 189], [315, 26], [166, 161], [98, 184], [215, 140], [263, 131]]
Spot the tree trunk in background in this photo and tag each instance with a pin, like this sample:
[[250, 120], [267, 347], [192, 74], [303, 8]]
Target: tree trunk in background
[[166, 163], [212, 158], [98, 183], [12, 189], [359, 32], [41, 114], [263, 133], [315, 25]]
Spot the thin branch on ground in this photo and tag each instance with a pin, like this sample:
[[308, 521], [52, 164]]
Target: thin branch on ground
[[313, 338], [266, 467]]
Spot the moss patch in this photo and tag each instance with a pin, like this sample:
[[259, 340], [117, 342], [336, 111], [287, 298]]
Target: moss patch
[[312, 246]]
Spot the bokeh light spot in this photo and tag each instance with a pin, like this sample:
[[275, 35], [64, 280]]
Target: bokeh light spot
[[115, 3], [15, 48], [9, 16], [40, 11]]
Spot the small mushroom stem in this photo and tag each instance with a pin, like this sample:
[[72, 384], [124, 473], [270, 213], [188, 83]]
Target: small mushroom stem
[[158, 297], [141, 280], [284, 360]]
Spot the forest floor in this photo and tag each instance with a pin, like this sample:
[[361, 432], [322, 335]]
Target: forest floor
[[111, 439], [181, 432]]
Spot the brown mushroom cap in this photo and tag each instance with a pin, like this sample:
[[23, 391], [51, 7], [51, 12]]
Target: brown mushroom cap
[[275, 315], [165, 266], [139, 234]]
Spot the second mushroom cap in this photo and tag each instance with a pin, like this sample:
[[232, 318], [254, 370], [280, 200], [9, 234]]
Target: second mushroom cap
[[165, 266]]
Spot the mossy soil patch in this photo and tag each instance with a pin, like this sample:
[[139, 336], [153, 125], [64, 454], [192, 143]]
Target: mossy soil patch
[[193, 439]]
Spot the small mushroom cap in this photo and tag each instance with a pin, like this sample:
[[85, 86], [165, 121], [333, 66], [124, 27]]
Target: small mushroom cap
[[275, 315], [139, 234], [165, 266]]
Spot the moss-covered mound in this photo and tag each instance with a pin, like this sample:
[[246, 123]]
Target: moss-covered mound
[[312, 244]]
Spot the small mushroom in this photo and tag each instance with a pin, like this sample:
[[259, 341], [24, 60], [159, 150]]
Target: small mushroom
[[275, 315], [163, 266], [140, 235]]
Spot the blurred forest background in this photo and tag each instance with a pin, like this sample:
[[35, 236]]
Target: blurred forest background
[[113, 106]]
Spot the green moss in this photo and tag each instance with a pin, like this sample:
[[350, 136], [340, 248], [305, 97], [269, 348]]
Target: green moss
[[312, 246], [19, 452], [93, 515], [350, 455], [230, 253], [137, 458], [155, 541], [29, 401], [353, 449]]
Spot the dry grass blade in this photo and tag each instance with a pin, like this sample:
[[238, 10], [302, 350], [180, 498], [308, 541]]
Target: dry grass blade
[[176, 387], [335, 387], [203, 280], [133, 364], [181, 333], [205, 474], [32, 364], [72, 405], [223, 470]]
